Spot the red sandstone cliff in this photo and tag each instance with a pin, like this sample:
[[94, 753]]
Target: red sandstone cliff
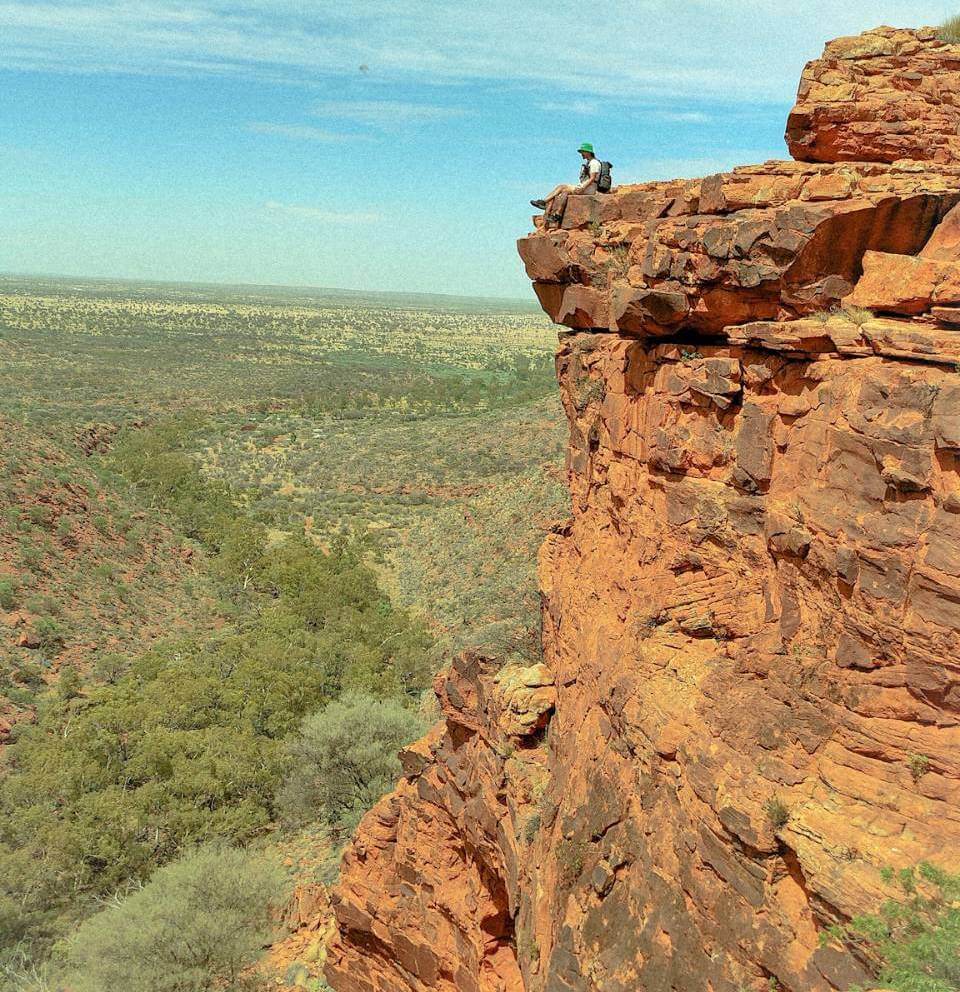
[[750, 696]]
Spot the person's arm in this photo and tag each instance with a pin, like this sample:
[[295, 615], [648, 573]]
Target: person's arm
[[591, 176]]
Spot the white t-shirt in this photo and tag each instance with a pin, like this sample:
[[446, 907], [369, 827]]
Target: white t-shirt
[[593, 171]]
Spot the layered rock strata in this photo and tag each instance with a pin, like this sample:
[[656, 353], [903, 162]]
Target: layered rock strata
[[879, 97], [750, 693]]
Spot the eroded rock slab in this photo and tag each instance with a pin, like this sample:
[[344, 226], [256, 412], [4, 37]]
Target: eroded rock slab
[[881, 96], [774, 241]]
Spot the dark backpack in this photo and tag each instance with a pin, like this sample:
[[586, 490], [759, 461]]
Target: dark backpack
[[605, 179]]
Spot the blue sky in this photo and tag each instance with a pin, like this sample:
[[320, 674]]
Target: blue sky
[[382, 145]]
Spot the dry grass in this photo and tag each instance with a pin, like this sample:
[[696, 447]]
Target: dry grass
[[949, 31]]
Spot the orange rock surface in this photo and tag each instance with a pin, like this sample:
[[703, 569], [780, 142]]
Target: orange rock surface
[[750, 692], [879, 97]]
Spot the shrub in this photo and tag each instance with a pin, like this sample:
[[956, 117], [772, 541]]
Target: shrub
[[194, 926], [68, 685], [919, 766], [617, 263], [531, 828], [778, 813], [109, 666], [914, 941], [587, 390], [569, 863], [50, 633], [856, 315], [950, 31], [345, 758], [8, 594]]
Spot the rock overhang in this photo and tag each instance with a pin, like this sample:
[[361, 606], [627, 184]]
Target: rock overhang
[[776, 241], [876, 135]]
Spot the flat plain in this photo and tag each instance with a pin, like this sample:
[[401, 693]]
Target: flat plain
[[428, 424]]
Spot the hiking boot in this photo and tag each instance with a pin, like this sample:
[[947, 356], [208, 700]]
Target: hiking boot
[[539, 204]]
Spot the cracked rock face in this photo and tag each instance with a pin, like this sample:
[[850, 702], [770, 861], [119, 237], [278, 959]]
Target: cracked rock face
[[750, 692], [879, 97]]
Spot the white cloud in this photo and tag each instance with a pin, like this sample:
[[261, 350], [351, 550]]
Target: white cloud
[[684, 116], [384, 113], [321, 215], [579, 107], [629, 50], [304, 132]]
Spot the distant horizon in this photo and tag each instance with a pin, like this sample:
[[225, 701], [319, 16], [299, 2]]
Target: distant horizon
[[214, 284]]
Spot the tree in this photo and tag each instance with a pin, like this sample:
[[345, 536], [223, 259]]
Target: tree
[[196, 925], [914, 941], [345, 758]]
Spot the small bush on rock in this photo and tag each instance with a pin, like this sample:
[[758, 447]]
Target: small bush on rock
[[196, 925], [531, 828], [778, 813], [569, 863], [919, 766], [345, 759]]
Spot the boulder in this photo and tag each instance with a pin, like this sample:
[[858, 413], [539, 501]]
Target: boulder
[[879, 97]]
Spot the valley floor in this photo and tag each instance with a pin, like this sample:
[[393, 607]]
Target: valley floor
[[163, 449]]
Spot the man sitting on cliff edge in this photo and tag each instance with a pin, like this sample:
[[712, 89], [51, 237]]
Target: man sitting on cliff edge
[[555, 202]]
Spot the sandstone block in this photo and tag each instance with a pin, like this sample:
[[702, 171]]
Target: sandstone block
[[867, 99], [895, 283]]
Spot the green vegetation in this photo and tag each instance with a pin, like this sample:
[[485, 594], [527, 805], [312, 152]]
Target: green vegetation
[[240, 532], [950, 31], [345, 759], [196, 925], [79, 589], [778, 813], [569, 862], [470, 566], [8, 594], [914, 941], [96, 353], [617, 263], [847, 312], [588, 390], [919, 766], [189, 744], [531, 828]]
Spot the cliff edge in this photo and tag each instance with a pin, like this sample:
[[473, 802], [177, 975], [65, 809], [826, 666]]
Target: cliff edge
[[749, 699]]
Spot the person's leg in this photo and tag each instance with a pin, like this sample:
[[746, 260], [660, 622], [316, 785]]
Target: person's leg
[[556, 204], [542, 204]]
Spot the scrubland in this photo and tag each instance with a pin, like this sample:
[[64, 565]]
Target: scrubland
[[240, 530]]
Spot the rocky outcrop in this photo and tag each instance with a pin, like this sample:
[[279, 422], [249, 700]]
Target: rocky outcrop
[[775, 241], [750, 697], [879, 97], [431, 885]]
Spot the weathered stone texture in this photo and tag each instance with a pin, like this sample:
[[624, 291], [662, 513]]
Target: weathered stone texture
[[881, 96], [779, 240], [750, 697]]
